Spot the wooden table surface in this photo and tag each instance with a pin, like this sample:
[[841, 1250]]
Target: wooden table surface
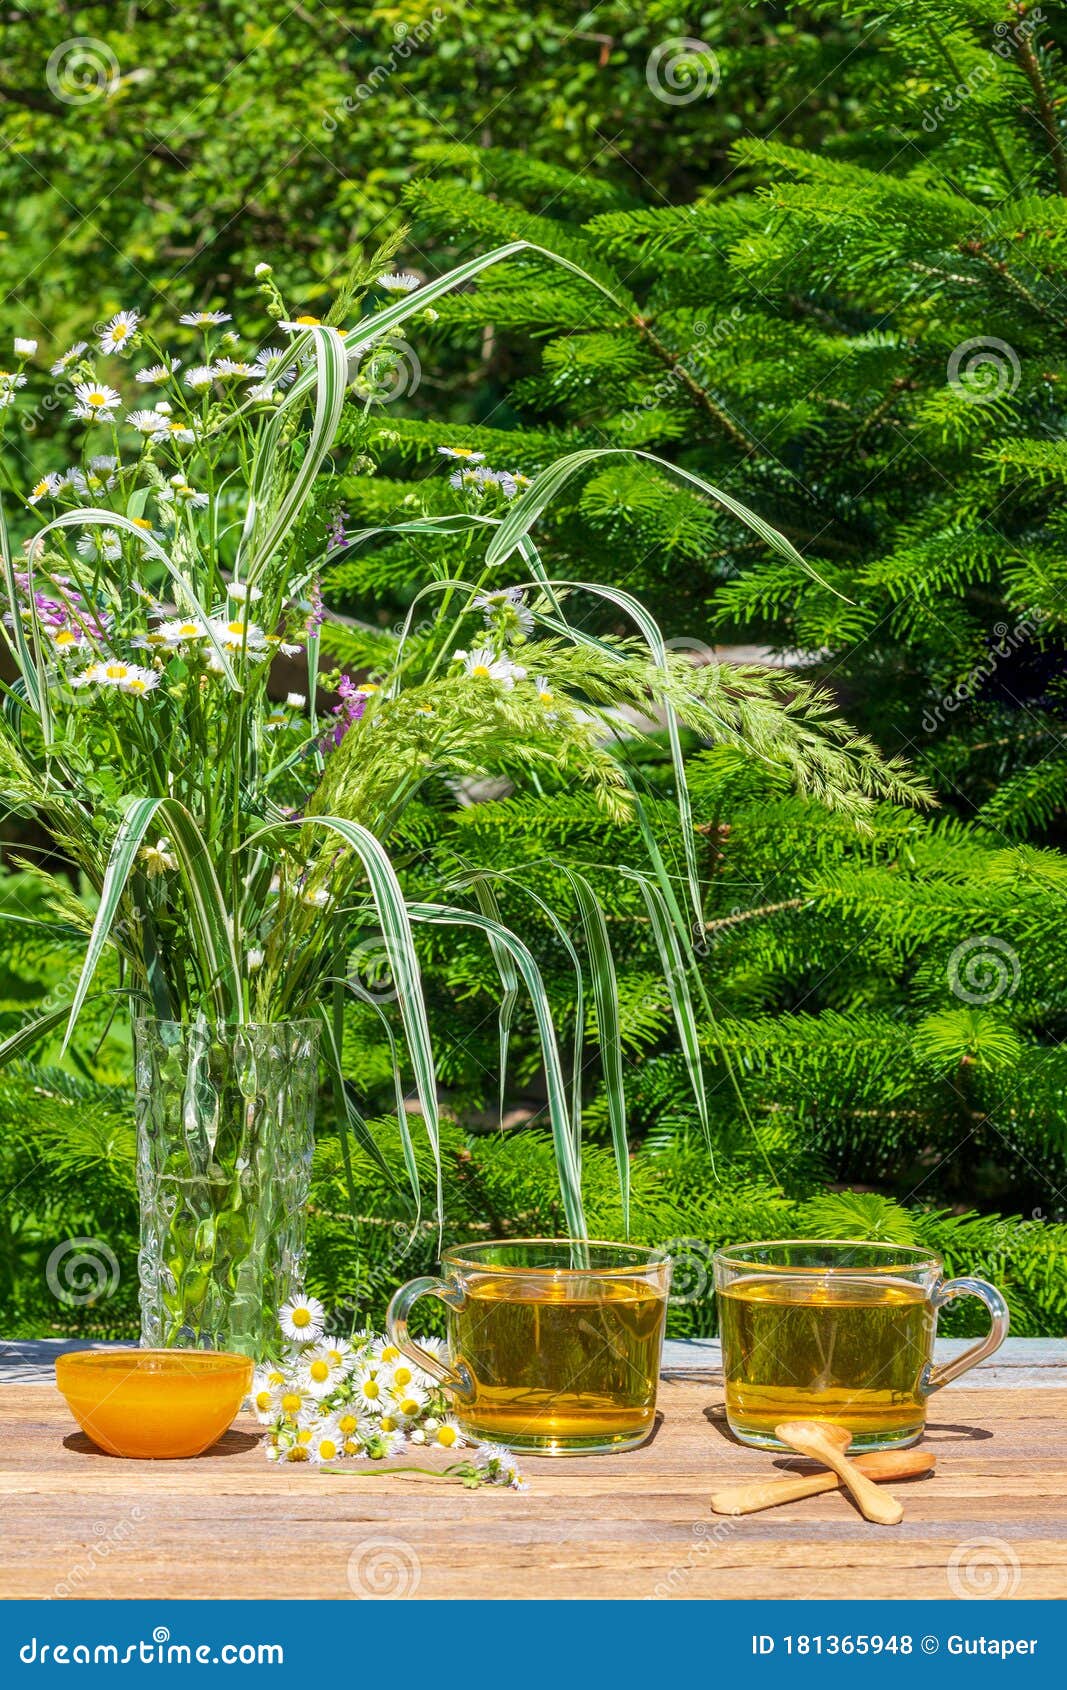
[[991, 1522]]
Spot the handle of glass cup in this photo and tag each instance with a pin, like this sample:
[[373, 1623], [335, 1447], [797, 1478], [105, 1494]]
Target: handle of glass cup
[[934, 1377], [455, 1379]]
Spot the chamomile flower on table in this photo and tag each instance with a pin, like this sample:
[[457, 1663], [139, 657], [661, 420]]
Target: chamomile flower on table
[[447, 1433], [409, 1400], [302, 1319], [264, 1396], [326, 1444], [319, 1372]]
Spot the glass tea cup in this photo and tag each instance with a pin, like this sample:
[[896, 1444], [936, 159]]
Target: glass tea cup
[[841, 1332], [554, 1344]]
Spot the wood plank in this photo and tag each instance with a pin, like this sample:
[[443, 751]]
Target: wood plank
[[230, 1525]]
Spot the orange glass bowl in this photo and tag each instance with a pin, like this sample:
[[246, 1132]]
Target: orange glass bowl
[[154, 1405]]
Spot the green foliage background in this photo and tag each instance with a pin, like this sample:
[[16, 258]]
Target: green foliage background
[[847, 261]]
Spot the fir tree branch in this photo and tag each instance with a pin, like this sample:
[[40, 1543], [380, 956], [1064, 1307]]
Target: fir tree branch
[[1046, 110]]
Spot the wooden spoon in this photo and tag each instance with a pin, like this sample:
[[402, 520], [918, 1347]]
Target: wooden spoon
[[768, 1493], [827, 1444]]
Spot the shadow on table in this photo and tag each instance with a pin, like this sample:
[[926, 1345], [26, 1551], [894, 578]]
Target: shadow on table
[[937, 1431], [231, 1443]]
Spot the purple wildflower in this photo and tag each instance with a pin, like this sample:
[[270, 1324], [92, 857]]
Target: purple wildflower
[[337, 537], [317, 612]]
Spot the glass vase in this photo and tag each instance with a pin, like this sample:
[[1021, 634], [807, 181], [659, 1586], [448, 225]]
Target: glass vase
[[225, 1131]]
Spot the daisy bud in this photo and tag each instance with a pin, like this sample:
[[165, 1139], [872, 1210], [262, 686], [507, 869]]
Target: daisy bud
[[295, 700], [418, 1436], [255, 960], [262, 270], [163, 408], [25, 348]]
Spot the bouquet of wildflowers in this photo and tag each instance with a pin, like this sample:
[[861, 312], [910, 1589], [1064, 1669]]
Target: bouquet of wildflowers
[[235, 846], [329, 1400]]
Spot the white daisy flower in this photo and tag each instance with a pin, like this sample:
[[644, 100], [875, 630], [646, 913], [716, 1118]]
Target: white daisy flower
[[46, 488], [101, 542], [147, 422], [269, 362], [163, 406], [264, 392], [180, 432], [299, 324], [543, 689], [302, 1319], [399, 281], [115, 673], [263, 1396], [238, 635], [508, 607], [448, 1433], [93, 676], [320, 899], [179, 492], [120, 330], [294, 1402], [404, 1373], [96, 401], [199, 377], [153, 373], [255, 959], [296, 701], [241, 591], [409, 1400], [178, 631], [204, 319], [465, 452], [67, 641], [140, 681], [233, 369], [326, 1445], [416, 1435], [70, 357], [482, 664], [349, 1422], [437, 1347], [339, 1350], [369, 1390], [320, 1373], [24, 348]]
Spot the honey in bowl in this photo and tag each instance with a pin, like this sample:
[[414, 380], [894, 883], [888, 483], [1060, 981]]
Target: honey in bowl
[[154, 1405]]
